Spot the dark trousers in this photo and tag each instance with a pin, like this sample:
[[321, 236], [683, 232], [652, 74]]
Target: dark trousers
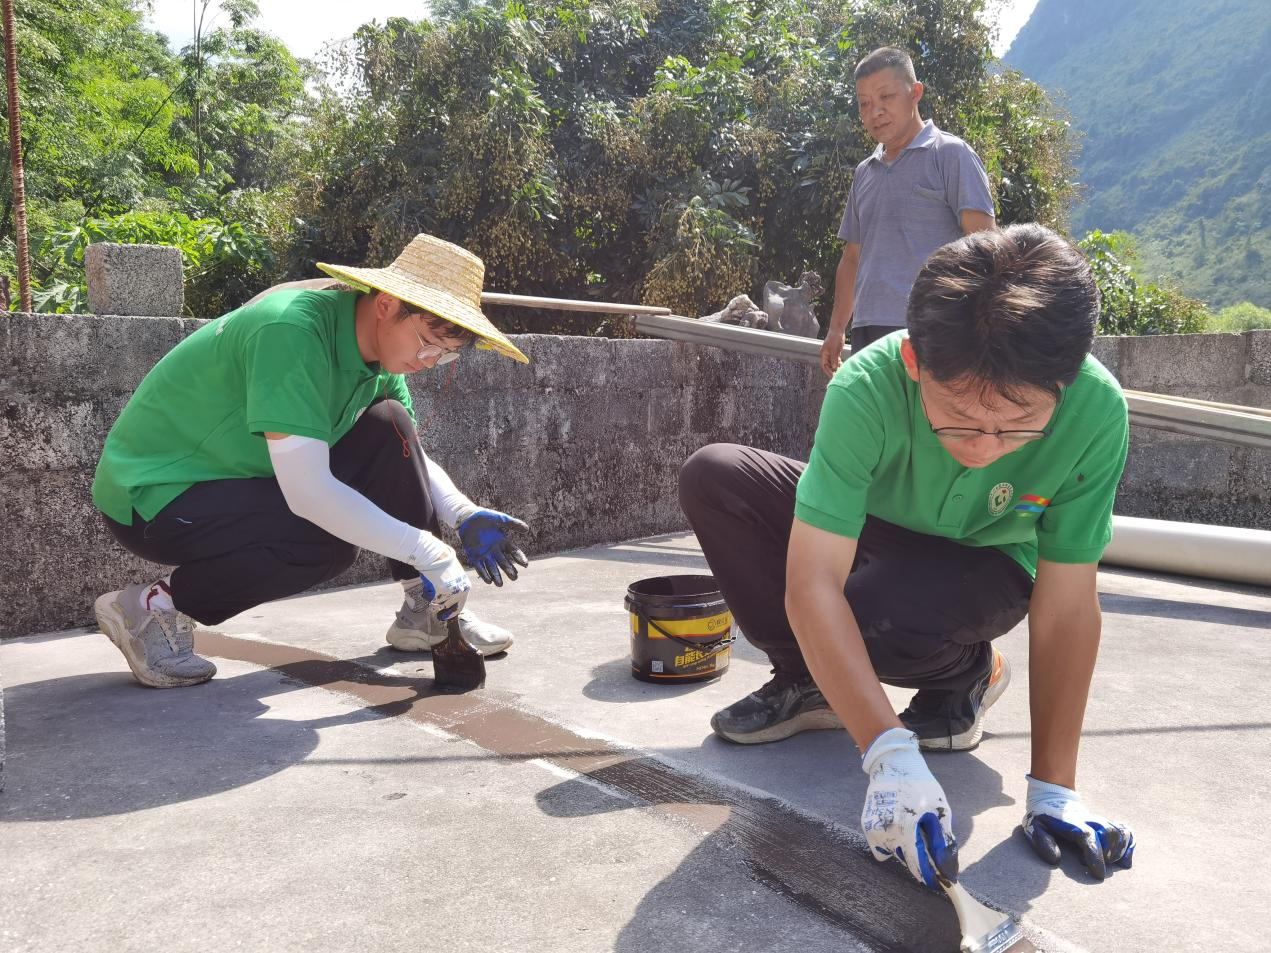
[[236, 544], [866, 335], [927, 607]]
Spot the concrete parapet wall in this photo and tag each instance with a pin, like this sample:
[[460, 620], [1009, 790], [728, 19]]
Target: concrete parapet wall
[[1174, 477], [584, 443]]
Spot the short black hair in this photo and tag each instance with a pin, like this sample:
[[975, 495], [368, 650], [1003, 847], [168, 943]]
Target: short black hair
[[447, 329], [1005, 311], [887, 57]]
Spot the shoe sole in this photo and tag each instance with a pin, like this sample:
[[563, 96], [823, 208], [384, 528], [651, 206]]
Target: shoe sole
[[115, 627], [970, 739], [823, 719], [409, 640]]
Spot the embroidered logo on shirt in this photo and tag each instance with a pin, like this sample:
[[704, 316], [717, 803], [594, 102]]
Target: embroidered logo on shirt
[[1000, 498], [1030, 504]]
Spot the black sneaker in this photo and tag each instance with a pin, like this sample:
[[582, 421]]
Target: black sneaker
[[785, 706], [954, 721]]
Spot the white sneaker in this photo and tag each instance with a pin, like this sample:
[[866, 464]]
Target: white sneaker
[[417, 628], [158, 644]]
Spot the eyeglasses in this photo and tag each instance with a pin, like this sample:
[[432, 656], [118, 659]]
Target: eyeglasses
[[444, 355], [1015, 438]]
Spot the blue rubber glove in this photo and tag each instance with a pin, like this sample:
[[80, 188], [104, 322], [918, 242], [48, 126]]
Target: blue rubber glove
[[1055, 813], [446, 585], [484, 534], [906, 815]]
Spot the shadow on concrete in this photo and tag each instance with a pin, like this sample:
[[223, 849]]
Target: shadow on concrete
[[821, 865], [1019, 875], [98, 745], [689, 910], [807, 862], [1185, 611], [820, 767], [386, 657], [612, 681]]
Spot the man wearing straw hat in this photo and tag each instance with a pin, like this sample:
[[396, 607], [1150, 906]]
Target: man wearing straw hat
[[269, 446]]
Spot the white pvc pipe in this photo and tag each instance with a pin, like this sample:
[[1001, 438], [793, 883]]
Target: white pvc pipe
[[1191, 549]]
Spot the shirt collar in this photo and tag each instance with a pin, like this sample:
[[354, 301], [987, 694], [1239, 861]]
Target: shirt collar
[[347, 355], [926, 137]]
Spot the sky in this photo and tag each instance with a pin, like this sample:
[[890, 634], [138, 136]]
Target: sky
[[304, 30], [297, 22]]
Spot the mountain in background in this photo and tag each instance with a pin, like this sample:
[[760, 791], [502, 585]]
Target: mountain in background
[[1172, 99]]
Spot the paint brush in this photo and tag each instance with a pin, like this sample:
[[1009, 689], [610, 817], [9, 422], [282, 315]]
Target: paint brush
[[456, 665], [985, 930]]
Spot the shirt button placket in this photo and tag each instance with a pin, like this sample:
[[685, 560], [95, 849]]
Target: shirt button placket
[[952, 513]]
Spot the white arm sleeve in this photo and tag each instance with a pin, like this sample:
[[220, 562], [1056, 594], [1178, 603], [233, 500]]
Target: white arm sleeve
[[447, 499], [303, 468]]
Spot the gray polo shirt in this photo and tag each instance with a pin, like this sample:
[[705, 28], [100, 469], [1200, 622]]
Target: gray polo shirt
[[900, 213]]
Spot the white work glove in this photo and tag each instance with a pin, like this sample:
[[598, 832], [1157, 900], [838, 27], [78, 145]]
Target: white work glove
[[906, 815], [1054, 811], [446, 584]]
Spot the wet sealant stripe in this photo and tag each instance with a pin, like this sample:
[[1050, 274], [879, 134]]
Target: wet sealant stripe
[[805, 860]]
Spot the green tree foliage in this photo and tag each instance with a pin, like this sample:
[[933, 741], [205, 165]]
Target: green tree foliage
[[674, 151], [244, 103], [1130, 305], [225, 263], [112, 153], [1245, 316], [1026, 145], [95, 97]]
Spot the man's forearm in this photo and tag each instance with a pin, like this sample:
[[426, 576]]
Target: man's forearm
[[1063, 644], [844, 294], [831, 642]]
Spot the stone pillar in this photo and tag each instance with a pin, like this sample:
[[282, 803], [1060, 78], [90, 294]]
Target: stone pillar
[[135, 280]]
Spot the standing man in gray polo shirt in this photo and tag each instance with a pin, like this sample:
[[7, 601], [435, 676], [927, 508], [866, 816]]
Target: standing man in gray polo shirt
[[920, 189]]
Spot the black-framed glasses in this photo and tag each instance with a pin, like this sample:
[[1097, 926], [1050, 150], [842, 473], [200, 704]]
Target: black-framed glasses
[[1015, 438]]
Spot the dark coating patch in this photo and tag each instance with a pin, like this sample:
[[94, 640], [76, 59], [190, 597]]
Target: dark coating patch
[[799, 858]]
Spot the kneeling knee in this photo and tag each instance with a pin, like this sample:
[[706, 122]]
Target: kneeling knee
[[702, 472], [387, 413]]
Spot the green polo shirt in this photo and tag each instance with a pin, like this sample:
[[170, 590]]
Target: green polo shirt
[[875, 454], [287, 364]]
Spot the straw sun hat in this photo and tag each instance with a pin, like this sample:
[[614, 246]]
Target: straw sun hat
[[439, 277]]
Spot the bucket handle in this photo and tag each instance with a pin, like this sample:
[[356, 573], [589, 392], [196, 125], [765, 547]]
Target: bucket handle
[[709, 649]]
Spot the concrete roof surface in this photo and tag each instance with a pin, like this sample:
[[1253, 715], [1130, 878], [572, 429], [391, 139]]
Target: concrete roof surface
[[318, 796]]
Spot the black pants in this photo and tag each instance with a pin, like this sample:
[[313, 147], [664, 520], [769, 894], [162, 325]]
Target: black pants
[[867, 334], [927, 607], [236, 544]]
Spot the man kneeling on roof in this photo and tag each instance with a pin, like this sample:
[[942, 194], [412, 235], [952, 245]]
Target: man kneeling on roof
[[263, 451], [961, 479]]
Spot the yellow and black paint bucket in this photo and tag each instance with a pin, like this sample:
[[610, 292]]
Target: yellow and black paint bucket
[[681, 630]]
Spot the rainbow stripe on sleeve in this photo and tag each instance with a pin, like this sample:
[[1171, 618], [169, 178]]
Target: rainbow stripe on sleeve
[[1030, 503]]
